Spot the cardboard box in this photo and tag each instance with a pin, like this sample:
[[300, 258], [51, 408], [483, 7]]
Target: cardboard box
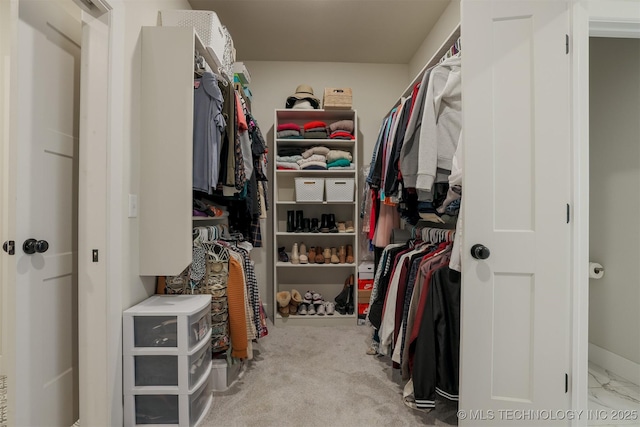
[[365, 285], [364, 296], [363, 309], [365, 270]]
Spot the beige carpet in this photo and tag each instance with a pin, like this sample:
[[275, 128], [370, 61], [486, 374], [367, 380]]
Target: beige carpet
[[319, 376]]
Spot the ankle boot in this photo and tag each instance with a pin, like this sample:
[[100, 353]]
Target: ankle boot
[[295, 256], [282, 255], [327, 256], [299, 220], [334, 256], [350, 259], [342, 254], [315, 228], [290, 222], [333, 228], [312, 255], [324, 227], [306, 225], [303, 253], [319, 256]]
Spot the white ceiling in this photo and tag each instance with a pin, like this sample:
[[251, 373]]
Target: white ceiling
[[365, 31]]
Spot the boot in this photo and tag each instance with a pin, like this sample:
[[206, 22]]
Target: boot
[[312, 255], [315, 228], [283, 298], [350, 259], [303, 253], [295, 257], [290, 222], [350, 305], [324, 227], [282, 255], [342, 254], [333, 228], [334, 256], [296, 299], [319, 256], [306, 225], [299, 220], [327, 255]]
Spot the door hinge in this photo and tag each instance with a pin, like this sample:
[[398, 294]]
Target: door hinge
[[566, 41], [94, 255], [566, 383], [568, 213]]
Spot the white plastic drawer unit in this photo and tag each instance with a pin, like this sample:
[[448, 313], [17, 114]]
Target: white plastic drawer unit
[[198, 364], [157, 409], [159, 370]]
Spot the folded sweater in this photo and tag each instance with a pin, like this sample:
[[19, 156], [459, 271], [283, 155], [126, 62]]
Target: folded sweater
[[286, 133], [288, 158], [345, 125], [287, 165], [339, 162], [314, 165], [288, 126], [334, 155], [341, 133], [315, 135], [314, 124], [315, 150], [314, 158]]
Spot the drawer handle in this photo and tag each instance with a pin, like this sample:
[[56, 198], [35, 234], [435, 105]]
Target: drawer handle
[[340, 182]]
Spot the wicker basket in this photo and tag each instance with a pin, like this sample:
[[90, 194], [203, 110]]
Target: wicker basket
[[337, 98], [340, 189], [309, 189]]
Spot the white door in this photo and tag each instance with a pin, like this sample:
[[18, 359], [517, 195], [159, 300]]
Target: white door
[[46, 210], [515, 330]]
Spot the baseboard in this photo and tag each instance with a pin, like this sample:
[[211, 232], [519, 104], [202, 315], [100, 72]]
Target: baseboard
[[617, 364]]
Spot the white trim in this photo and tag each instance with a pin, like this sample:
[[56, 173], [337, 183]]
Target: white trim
[[623, 30], [619, 365]]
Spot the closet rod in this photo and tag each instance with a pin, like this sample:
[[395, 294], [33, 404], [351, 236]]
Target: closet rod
[[209, 59], [434, 60]]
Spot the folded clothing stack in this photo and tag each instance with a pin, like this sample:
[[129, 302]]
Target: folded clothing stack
[[315, 130], [338, 159], [287, 158], [313, 162], [288, 131], [342, 129]]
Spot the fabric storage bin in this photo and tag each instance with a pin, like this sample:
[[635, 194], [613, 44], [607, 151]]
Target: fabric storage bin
[[340, 189], [337, 98], [309, 189]]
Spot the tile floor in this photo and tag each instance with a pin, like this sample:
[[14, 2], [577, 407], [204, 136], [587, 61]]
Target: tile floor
[[613, 400]]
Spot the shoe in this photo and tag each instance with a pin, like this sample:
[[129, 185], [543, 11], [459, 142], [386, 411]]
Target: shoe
[[306, 227], [319, 255], [315, 228], [308, 297], [342, 254], [312, 255], [299, 221], [333, 228], [320, 309], [290, 222], [317, 298], [350, 304], [293, 309], [296, 297], [350, 259], [342, 228], [302, 309], [303, 254], [330, 308], [312, 310], [324, 227], [283, 298], [282, 255], [334, 256], [349, 227], [327, 255], [295, 256]]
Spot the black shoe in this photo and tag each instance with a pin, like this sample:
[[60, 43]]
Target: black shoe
[[314, 225], [324, 227], [333, 228], [290, 222], [299, 219], [282, 255], [305, 225], [350, 305]]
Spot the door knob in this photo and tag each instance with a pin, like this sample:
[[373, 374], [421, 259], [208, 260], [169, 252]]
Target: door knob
[[31, 246], [9, 247], [479, 251]]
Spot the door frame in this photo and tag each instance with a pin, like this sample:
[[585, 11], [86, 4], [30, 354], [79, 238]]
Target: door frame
[[99, 305], [610, 18]]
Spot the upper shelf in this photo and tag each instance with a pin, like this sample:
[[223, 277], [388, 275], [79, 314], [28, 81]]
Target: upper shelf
[[293, 114]]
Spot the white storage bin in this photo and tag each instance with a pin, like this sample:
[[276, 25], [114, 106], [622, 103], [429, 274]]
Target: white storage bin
[[223, 375], [213, 34], [309, 189], [340, 189]]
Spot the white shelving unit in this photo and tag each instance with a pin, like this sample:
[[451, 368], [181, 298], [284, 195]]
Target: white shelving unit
[[167, 361], [326, 279]]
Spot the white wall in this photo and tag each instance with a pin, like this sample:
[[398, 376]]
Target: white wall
[[614, 301], [375, 88], [447, 22]]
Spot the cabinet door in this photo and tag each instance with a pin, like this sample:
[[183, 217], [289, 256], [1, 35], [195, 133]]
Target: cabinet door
[[515, 304], [166, 150]]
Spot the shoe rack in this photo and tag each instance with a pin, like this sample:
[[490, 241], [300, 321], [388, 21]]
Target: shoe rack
[[167, 361], [326, 279]]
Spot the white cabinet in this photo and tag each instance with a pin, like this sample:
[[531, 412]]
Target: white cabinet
[[167, 360], [325, 279]]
